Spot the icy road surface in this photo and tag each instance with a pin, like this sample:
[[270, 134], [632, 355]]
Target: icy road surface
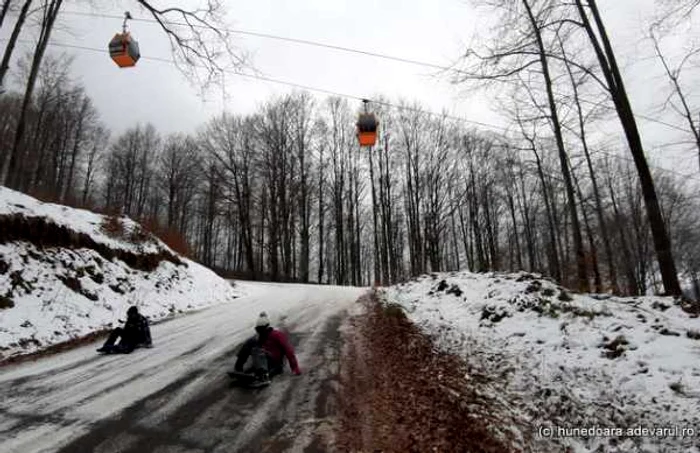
[[176, 397]]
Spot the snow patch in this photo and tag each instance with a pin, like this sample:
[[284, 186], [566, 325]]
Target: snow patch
[[569, 360], [50, 295]]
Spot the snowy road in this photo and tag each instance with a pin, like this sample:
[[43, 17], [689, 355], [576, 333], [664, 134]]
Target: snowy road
[[176, 396]]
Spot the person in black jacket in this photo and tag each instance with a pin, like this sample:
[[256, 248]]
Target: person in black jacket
[[135, 333]]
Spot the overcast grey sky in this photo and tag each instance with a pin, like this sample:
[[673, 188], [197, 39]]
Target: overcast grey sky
[[434, 31]]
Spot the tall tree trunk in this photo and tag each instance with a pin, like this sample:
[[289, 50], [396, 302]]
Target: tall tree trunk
[[602, 224], [4, 10], [555, 266], [632, 286], [610, 69], [12, 42], [591, 239], [77, 141], [524, 209], [389, 259], [89, 172], [321, 217], [511, 209], [12, 161], [583, 284], [375, 233]]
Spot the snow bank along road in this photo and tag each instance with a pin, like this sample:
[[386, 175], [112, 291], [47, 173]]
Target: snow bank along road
[[176, 397]]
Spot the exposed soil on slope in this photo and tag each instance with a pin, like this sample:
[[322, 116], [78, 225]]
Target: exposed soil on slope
[[400, 395], [43, 233]]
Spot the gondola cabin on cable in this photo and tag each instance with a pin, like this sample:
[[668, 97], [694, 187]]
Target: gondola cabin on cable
[[367, 126], [123, 48]]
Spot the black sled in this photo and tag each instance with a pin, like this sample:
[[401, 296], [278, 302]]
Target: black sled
[[248, 380], [121, 349]]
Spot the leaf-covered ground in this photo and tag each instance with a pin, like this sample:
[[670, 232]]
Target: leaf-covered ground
[[561, 360]]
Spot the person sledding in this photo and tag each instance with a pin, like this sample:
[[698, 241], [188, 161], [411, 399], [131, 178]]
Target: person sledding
[[267, 351], [135, 334]]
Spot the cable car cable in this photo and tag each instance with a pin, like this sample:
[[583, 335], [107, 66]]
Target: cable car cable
[[505, 130], [360, 52], [306, 42]]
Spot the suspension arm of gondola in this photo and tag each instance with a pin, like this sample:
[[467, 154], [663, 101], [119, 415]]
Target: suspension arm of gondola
[[127, 16]]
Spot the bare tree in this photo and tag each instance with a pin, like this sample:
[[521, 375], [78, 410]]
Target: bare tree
[[302, 111], [179, 168], [576, 84], [516, 50], [12, 41], [8, 175], [198, 43], [95, 154], [682, 108], [600, 42]]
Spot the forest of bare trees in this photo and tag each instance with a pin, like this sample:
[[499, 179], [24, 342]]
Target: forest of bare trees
[[286, 193]]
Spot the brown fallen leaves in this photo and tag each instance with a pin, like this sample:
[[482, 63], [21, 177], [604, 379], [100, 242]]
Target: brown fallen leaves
[[400, 395]]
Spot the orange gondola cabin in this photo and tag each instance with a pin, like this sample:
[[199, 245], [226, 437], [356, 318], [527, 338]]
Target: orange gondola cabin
[[124, 50], [367, 125]]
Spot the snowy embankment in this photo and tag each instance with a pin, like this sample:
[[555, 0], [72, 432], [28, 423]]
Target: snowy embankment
[[566, 361], [65, 273]]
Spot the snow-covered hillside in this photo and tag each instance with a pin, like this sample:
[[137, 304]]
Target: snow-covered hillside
[[570, 361], [66, 272]]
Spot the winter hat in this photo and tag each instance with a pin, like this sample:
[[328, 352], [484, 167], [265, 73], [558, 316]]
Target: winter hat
[[263, 320]]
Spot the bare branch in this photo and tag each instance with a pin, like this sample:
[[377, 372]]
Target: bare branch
[[201, 43]]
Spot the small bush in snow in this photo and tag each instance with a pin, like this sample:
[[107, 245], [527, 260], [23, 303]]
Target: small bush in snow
[[113, 227], [548, 292], [525, 277], [494, 314], [6, 302], [670, 333], [693, 334], [614, 348], [660, 306], [565, 297], [71, 282], [677, 387], [534, 287], [454, 289], [16, 280]]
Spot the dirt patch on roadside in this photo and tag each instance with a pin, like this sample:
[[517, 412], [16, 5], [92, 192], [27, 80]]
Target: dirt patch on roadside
[[399, 395]]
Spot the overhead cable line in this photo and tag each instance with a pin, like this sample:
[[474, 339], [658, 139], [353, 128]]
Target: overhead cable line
[[306, 42], [314, 43], [356, 97]]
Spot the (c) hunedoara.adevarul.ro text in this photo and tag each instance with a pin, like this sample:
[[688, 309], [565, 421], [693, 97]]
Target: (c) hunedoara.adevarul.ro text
[[553, 431]]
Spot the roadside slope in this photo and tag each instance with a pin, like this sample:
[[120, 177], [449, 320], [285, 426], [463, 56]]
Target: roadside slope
[[562, 360], [66, 273]]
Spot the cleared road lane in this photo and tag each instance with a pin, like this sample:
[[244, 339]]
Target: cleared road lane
[[176, 397]]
